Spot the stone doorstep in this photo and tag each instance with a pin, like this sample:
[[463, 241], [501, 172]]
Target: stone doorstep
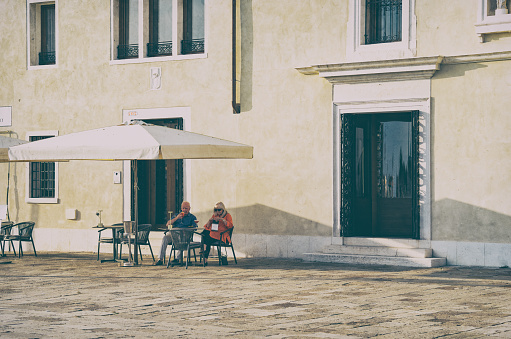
[[374, 260], [379, 250], [387, 242]]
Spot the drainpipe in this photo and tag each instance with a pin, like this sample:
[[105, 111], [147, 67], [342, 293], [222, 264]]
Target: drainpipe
[[236, 106]]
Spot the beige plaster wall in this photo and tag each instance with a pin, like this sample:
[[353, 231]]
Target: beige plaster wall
[[285, 189], [472, 152], [447, 28]]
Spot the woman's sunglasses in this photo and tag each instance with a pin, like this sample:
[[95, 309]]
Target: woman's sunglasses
[[217, 209]]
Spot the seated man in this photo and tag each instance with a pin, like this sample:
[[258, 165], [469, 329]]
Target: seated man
[[182, 220]]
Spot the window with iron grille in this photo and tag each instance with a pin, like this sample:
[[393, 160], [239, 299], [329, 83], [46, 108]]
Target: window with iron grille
[[42, 176], [193, 27], [383, 20], [160, 28], [128, 29], [42, 32], [47, 54]]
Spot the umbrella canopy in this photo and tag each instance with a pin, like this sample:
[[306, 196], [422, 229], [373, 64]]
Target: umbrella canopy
[[131, 141], [5, 143]]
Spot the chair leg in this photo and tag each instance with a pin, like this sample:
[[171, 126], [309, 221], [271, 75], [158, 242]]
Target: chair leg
[[170, 256], [33, 247], [150, 249], [234, 255], [219, 256], [20, 249], [2, 246], [140, 252]]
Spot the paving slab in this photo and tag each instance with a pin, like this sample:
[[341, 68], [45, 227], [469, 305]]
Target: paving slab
[[71, 295]]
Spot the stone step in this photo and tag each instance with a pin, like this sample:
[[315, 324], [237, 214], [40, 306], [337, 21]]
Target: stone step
[[379, 250], [387, 242], [374, 260]]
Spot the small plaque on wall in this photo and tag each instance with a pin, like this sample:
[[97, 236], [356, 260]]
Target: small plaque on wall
[[5, 116]]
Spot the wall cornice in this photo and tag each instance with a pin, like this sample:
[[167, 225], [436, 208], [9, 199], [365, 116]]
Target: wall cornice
[[395, 70]]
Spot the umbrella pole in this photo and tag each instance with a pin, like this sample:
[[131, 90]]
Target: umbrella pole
[[136, 210]]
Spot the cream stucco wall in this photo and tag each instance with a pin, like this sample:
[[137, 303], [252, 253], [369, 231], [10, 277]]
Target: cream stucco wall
[[472, 152], [283, 198]]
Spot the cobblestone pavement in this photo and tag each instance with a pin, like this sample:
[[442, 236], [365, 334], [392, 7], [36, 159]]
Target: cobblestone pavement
[[73, 296]]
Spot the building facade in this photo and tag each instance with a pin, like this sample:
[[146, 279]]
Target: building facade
[[369, 118]]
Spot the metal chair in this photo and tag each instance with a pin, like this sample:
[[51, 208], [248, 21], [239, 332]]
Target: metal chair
[[24, 234], [109, 240], [182, 241], [142, 239], [5, 231], [228, 244]]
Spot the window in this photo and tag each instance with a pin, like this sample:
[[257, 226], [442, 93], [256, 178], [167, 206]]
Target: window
[[193, 27], [381, 29], [42, 32], [383, 21], [493, 17], [145, 29], [128, 29], [42, 184], [160, 28]]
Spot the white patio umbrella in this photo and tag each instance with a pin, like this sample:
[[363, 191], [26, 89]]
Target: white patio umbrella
[[135, 140], [5, 143], [131, 141]]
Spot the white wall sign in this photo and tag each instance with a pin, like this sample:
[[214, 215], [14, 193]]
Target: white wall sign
[[5, 116]]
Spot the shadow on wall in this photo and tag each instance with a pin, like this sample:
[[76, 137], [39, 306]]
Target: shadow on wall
[[457, 221], [452, 71], [261, 219]]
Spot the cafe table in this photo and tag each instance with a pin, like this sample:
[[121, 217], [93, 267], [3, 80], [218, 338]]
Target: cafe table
[[114, 240]]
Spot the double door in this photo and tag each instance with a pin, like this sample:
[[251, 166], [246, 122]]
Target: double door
[[379, 175], [160, 184]]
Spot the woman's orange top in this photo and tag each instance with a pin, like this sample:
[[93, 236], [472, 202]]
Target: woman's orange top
[[222, 226]]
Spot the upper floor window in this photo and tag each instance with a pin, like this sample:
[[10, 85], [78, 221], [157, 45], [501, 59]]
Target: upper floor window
[[42, 32], [493, 17], [383, 21], [193, 27], [157, 28], [381, 29], [128, 29], [160, 28]]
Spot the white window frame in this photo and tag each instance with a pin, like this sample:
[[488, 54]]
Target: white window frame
[[356, 50], [34, 34], [28, 198], [490, 24], [143, 34]]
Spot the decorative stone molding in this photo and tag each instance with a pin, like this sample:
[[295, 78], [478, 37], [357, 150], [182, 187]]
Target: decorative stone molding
[[395, 70], [377, 71]]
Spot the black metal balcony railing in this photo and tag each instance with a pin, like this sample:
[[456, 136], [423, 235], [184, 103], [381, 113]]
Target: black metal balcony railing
[[159, 48], [127, 51], [383, 21], [192, 46], [47, 58]]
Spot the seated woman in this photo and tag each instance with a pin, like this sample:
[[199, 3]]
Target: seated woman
[[220, 221]]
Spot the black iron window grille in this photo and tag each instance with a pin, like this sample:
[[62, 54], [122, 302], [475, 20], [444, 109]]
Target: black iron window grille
[[47, 58], [159, 48], [192, 46], [127, 51], [42, 176], [383, 20]]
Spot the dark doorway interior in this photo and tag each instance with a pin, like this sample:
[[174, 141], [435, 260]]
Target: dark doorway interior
[[380, 175], [160, 184]]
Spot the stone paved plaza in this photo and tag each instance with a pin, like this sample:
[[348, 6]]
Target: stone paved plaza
[[56, 295]]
